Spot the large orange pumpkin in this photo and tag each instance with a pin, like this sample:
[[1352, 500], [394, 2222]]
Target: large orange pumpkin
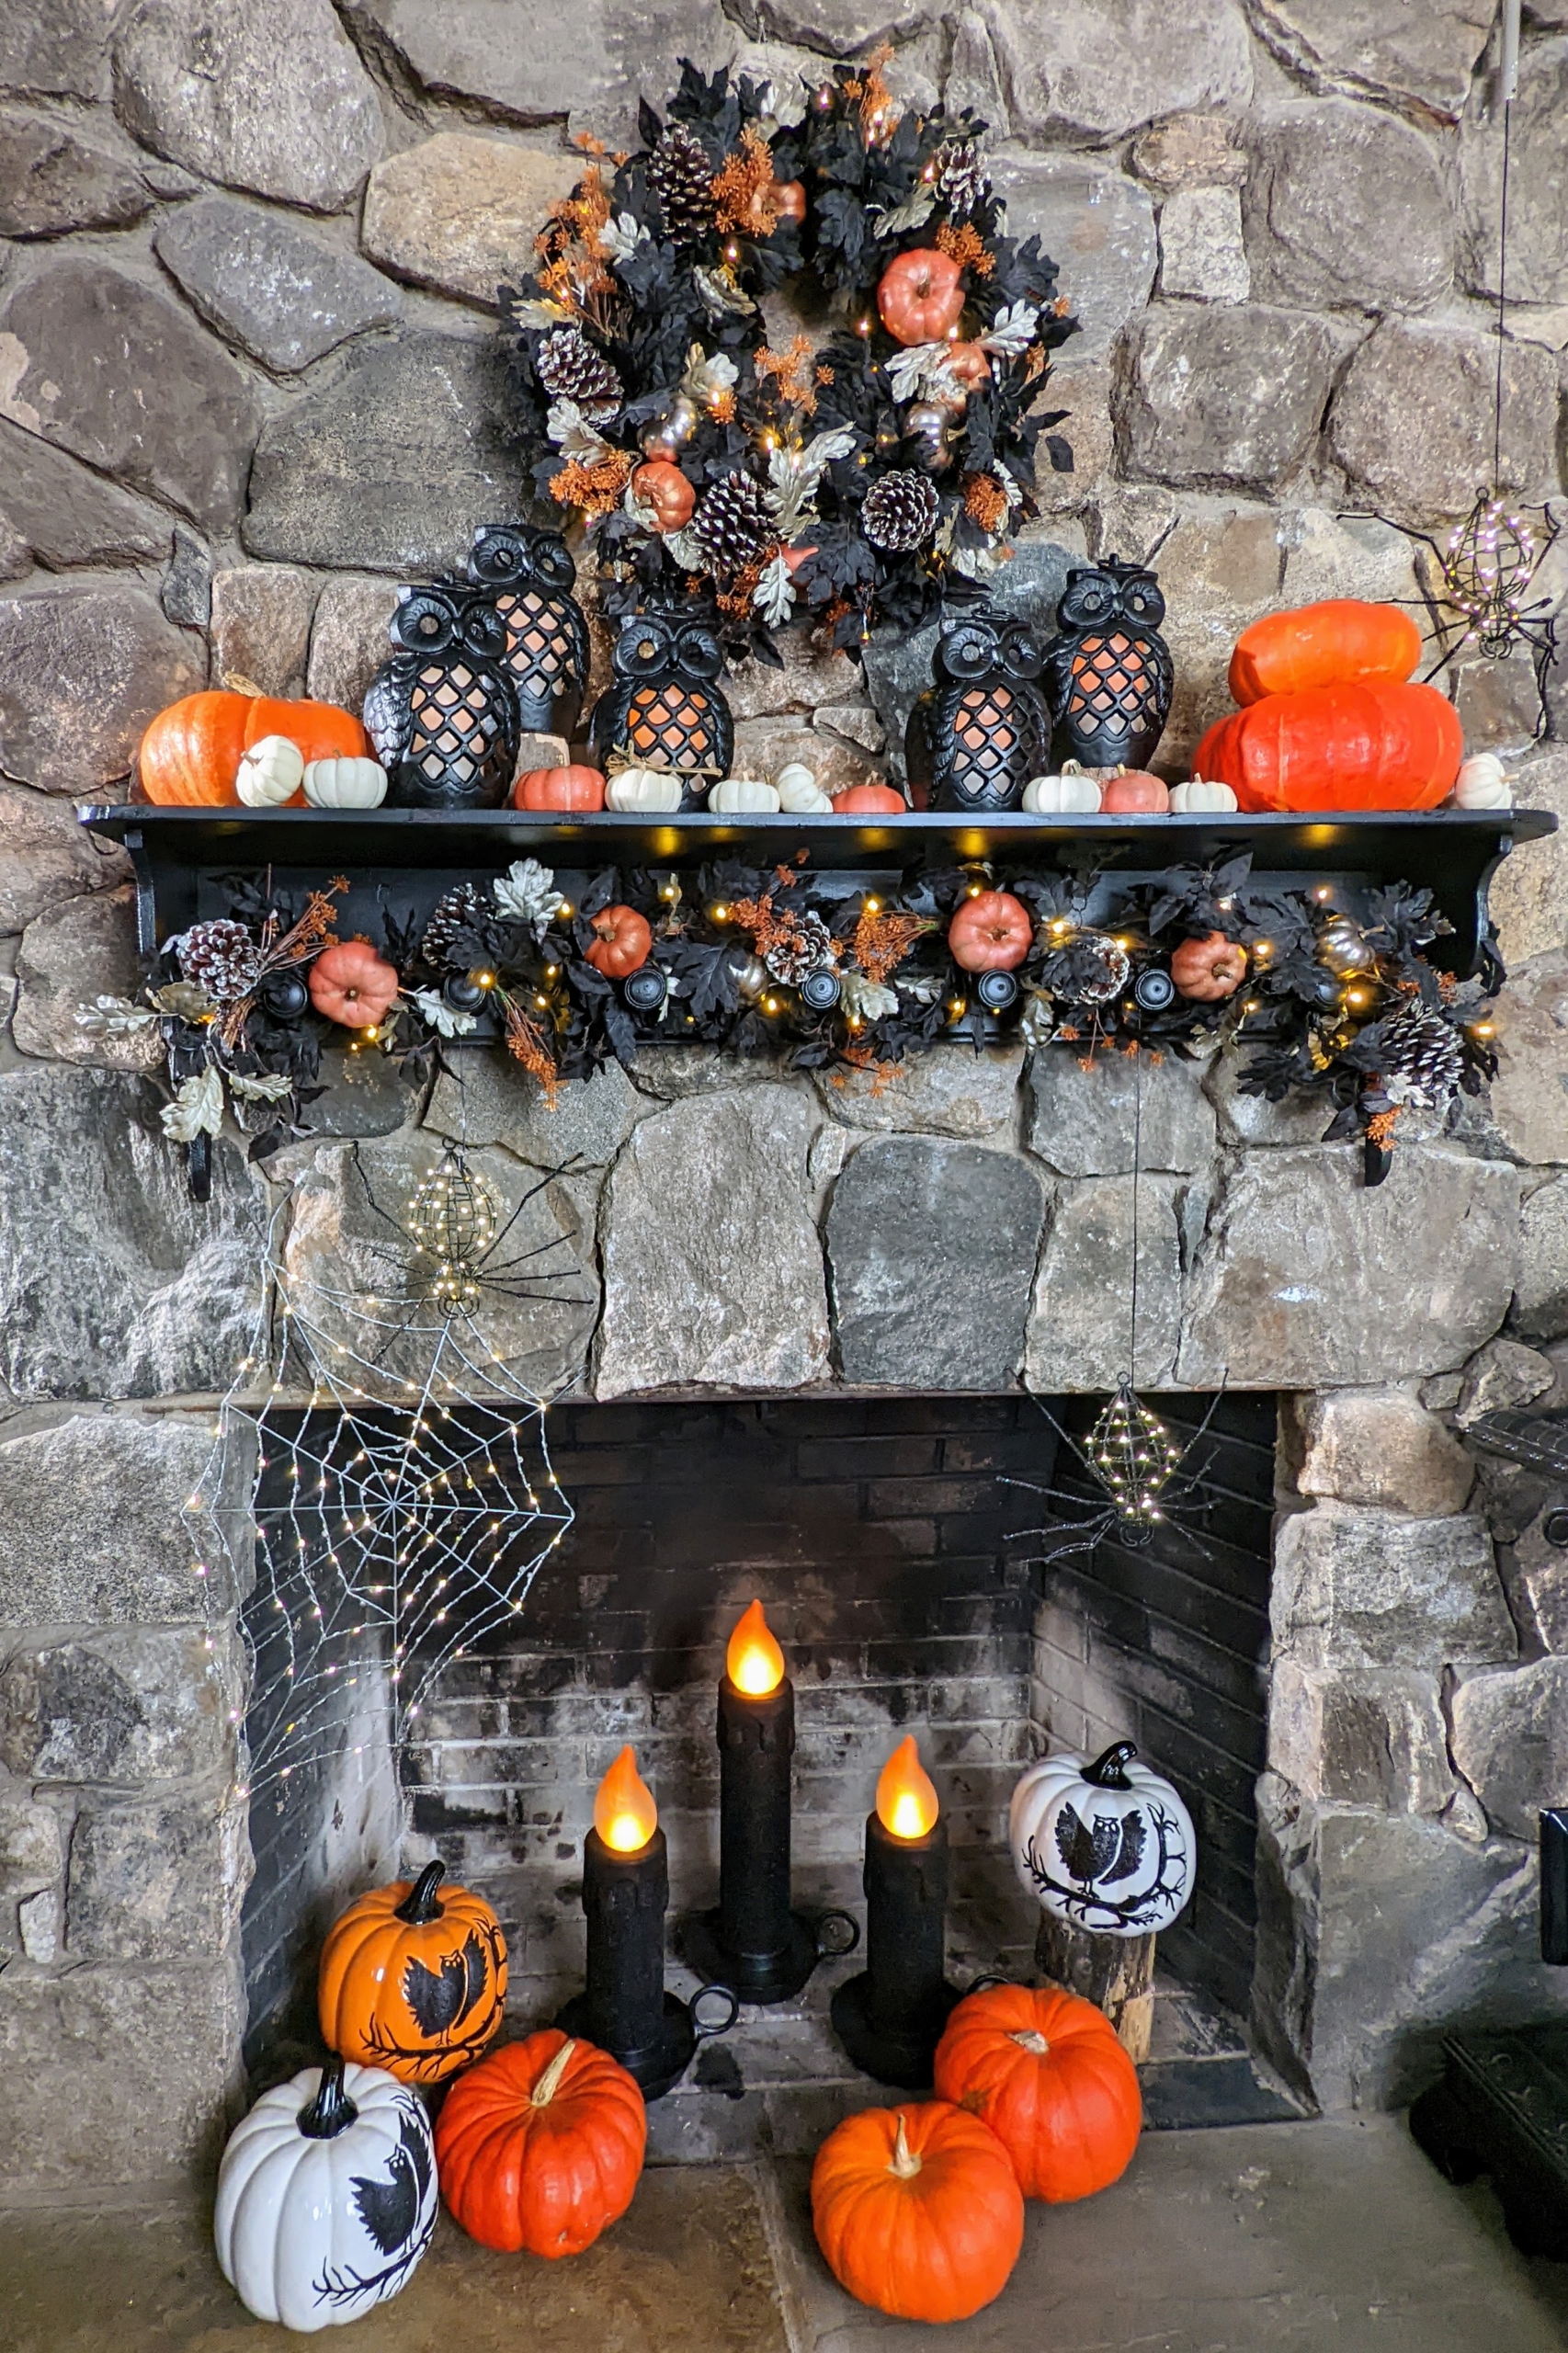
[[920, 295], [322, 729], [1380, 744], [1045, 2071], [190, 753], [916, 2211], [1333, 644], [992, 932], [571, 787], [412, 1979], [540, 2145]]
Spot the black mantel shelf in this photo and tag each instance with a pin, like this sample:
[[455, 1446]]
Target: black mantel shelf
[[409, 855]]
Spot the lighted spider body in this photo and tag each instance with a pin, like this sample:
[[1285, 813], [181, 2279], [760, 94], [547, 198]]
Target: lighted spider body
[[1148, 1482], [1477, 586], [982, 730], [1109, 671], [664, 707], [528, 576], [442, 713]]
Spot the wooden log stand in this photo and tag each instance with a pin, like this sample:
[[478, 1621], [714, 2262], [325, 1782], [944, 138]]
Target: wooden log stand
[[1116, 1973]]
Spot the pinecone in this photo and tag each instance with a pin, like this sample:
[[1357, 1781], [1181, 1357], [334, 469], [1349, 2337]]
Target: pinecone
[[1090, 970], [735, 524], [682, 178], [222, 957], [465, 908], [791, 960], [571, 370], [962, 179], [1422, 1059], [900, 512]]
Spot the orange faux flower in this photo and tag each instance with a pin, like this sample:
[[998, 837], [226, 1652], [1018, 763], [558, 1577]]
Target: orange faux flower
[[741, 189], [965, 246]]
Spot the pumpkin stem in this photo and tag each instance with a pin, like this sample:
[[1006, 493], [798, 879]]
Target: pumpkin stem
[[420, 1907], [1108, 1771], [332, 2112], [548, 2083], [1029, 2039], [904, 2162], [238, 684]]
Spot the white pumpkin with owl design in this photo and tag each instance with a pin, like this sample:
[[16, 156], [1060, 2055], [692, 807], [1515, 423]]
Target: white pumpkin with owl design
[[1105, 1844]]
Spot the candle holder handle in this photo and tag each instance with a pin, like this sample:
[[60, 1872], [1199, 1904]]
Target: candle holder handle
[[830, 1949], [702, 2031]]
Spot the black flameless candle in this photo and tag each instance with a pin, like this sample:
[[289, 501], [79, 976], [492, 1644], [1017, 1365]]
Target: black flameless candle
[[890, 2018], [626, 1892]]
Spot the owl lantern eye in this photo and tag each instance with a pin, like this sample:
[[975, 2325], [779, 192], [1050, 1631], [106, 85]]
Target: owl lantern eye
[[424, 624], [699, 654], [969, 653], [552, 564], [1026, 657], [483, 631]]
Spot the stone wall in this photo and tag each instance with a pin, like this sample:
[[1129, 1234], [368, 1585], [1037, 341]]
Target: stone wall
[[248, 381]]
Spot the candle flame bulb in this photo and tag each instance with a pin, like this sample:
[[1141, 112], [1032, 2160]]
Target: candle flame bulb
[[624, 1814], [754, 1662], [906, 1800]]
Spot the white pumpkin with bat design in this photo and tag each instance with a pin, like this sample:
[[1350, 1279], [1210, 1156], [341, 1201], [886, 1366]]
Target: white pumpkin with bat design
[[1105, 1844], [326, 2195]]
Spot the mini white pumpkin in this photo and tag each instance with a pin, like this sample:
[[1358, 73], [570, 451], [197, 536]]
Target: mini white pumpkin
[[733, 795], [269, 772], [1481, 783], [1106, 1846], [799, 791], [1200, 798], [636, 791], [1055, 796], [326, 2195], [345, 783]]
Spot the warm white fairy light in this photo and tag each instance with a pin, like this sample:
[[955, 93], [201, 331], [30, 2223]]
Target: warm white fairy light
[[1134, 1457]]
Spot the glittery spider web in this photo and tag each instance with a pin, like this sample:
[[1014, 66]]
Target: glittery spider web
[[403, 1503]]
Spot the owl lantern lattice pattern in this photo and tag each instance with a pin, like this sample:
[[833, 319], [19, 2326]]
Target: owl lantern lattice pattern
[[1108, 670], [984, 730], [442, 713], [662, 708], [527, 577]]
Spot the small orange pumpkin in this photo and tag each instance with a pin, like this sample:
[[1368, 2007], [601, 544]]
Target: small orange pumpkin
[[412, 1980], [621, 943], [990, 933], [789, 198], [1329, 644], [661, 485], [572, 787], [1135, 793], [1209, 969], [350, 984], [916, 2211], [970, 363], [1376, 745], [1044, 2070], [322, 729], [190, 753], [868, 799], [920, 295], [540, 2145]]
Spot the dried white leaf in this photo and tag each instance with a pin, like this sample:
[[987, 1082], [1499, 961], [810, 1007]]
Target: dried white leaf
[[621, 236], [774, 596], [1012, 331], [114, 1016], [442, 1018], [920, 371], [913, 214], [795, 475], [869, 1000], [184, 1000], [721, 295], [541, 314], [922, 991], [272, 1088], [688, 550], [197, 1110], [527, 892], [1039, 1023], [573, 435], [705, 376]]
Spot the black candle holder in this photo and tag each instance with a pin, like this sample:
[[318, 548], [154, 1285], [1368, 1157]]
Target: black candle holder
[[625, 2008], [753, 1941], [890, 2017]]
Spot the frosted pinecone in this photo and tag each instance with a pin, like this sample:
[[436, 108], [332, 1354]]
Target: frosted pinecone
[[1422, 1059], [1091, 970], [571, 370], [791, 960], [900, 512], [462, 909], [682, 178], [962, 179], [222, 957], [735, 524]]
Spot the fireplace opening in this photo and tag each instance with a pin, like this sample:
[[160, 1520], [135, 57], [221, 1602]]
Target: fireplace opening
[[882, 1537]]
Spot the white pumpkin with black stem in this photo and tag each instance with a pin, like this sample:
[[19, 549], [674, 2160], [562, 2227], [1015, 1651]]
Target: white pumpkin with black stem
[[1105, 1845], [326, 2195]]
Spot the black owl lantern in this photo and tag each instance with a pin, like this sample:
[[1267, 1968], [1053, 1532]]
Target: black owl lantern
[[1107, 671], [665, 707], [528, 576], [442, 713], [984, 730]]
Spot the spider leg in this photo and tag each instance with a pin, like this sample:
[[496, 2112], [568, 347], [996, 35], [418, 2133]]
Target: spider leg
[[548, 1178]]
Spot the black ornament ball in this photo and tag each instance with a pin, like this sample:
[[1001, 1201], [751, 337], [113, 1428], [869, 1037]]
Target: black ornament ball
[[1153, 990], [1325, 989], [821, 989], [284, 995], [996, 991], [645, 990], [464, 996]]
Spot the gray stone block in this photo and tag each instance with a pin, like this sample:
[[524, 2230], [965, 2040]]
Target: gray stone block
[[281, 294], [96, 1533], [455, 212], [1510, 1741], [81, 674], [82, 949], [158, 1880], [124, 1706], [1381, 1448], [808, 679], [1346, 207], [392, 464], [712, 1267], [1376, 48], [951, 1091], [931, 1247], [115, 2075], [1369, 1588], [1357, 1738], [261, 625], [1081, 1122], [1411, 418], [113, 1282], [1538, 259], [68, 514], [1528, 896], [116, 373], [672, 1073], [1230, 395], [267, 95], [1305, 1279], [56, 49], [1202, 254], [485, 1099], [1529, 1095], [51, 179], [46, 858], [32, 1862], [348, 637], [362, 1095], [1502, 1374], [1079, 1320], [1098, 226], [1089, 72], [1540, 1305]]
